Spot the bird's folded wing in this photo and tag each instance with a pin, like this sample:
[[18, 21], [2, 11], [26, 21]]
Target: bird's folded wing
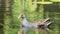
[[40, 22]]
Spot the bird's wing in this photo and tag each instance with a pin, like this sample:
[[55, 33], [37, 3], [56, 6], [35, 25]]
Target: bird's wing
[[40, 22]]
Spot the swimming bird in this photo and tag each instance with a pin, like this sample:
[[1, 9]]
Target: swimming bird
[[26, 25]]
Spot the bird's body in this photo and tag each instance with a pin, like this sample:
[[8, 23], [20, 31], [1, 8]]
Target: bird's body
[[26, 23]]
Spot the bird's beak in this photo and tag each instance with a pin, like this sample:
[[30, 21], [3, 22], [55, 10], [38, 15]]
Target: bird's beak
[[20, 15]]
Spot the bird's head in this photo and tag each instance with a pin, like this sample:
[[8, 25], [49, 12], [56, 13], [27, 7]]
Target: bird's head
[[22, 15]]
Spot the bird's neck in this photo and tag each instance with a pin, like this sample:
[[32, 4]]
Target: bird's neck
[[24, 20]]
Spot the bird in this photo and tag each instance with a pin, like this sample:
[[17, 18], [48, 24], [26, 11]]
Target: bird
[[26, 25]]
